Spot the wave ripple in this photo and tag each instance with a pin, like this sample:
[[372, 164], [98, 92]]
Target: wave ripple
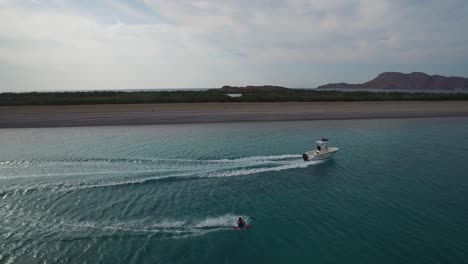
[[23, 177]]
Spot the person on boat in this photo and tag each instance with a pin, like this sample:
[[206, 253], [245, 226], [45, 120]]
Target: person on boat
[[319, 148], [241, 223]]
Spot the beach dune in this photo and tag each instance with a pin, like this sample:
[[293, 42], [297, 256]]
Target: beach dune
[[146, 114]]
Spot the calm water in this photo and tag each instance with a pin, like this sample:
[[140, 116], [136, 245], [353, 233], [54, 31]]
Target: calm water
[[395, 193]]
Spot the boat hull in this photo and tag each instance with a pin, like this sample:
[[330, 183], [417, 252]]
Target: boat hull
[[319, 155]]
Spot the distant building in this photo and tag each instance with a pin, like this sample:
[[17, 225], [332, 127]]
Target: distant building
[[234, 95]]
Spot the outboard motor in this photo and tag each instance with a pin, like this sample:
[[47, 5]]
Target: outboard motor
[[305, 157]]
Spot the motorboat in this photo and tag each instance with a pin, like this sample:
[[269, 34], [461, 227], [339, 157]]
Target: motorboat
[[322, 152]]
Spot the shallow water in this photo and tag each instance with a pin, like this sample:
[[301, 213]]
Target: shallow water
[[395, 193]]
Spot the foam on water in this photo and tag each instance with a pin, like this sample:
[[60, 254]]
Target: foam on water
[[99, 173], [167, 227], [241, 172], [28, 226], [261, 158]]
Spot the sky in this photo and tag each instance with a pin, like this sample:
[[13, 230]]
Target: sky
[[164, 44]]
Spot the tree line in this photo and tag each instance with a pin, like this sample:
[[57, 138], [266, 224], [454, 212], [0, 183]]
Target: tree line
[[214, 95]]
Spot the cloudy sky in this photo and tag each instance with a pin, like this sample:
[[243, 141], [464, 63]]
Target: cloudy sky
[[150, 44]]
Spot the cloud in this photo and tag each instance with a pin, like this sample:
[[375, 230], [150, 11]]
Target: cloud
[[117, 44]]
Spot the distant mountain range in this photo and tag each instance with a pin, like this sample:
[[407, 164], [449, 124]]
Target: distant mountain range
[[411, 81], [251, 88]]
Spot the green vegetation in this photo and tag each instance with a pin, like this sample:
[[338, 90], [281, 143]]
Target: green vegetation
[[214, 95]]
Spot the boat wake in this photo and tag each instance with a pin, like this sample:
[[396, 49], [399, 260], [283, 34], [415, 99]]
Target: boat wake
[[72, 230], [23, 228], [168, 228], [23, 177]]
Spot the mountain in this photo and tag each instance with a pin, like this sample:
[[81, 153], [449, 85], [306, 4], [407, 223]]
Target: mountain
[[411, 81], [251, 89]]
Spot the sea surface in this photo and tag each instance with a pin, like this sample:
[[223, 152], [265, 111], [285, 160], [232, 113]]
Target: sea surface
[[396, 192]]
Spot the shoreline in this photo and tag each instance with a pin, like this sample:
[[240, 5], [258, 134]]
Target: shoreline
[[181, 113]]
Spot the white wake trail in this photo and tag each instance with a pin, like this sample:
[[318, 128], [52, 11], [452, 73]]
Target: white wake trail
[[167, 228], [79, 175]]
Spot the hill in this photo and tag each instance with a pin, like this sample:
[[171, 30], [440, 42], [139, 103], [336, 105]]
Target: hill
[[410, 81]]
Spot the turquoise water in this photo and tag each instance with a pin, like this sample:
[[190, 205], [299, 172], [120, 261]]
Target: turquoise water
[[395, 193]]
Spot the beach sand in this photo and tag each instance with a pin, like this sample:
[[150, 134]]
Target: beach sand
[[145, 114]]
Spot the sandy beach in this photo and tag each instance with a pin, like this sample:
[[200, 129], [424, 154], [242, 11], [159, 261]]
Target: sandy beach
[[145, 114]]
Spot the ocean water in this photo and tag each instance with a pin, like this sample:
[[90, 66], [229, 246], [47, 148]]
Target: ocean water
[[397, 192]]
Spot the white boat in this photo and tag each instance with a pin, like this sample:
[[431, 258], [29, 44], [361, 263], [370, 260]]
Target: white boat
[[322, 151]]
